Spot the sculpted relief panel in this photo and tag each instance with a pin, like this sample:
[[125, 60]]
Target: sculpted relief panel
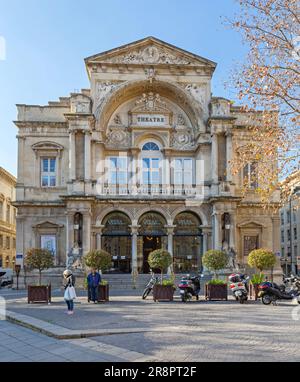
[[150, 55], [147, 114], [103, 89]]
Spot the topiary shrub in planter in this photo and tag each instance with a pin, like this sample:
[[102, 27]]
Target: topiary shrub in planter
[[216, 289], [261, 259], [256, 279], [40, 259], [161, 259], [100, 260]]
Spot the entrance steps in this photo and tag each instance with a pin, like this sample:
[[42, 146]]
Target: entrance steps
[[124, 281]]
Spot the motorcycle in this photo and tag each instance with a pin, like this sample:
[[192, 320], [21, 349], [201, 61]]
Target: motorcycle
[[239, 286], [154, 280], [271, 292], [189, 286]]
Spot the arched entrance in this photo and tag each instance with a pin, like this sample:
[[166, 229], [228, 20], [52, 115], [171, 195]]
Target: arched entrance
[[117, 240], [152, 236], [187, 245]]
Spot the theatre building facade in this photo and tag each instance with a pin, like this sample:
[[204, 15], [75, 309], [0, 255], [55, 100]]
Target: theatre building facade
[[139, 161]]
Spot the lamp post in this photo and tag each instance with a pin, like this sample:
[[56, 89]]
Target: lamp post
[[17, 270]]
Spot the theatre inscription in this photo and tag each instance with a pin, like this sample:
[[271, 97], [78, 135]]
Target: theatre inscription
[[150, 120]]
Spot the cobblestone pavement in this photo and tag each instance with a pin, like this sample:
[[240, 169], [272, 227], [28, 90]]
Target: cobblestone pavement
[[204, 331], [18, 344]]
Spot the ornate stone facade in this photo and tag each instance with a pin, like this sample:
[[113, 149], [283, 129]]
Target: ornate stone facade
[[7, 219], [139, 161]]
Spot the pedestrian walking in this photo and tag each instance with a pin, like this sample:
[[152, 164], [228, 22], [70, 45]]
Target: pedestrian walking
[[93, 280], [70, 293]]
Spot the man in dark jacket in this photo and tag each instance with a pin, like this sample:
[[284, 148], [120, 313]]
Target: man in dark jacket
[[93, 280]]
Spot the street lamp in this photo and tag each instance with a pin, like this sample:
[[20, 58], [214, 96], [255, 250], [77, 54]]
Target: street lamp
[[285, 260], [17, 270]]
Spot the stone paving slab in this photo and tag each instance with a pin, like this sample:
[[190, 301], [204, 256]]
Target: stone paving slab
[[63, 333], [212, 331], [48, 349]]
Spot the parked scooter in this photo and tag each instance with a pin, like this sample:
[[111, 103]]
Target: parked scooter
[[271, 292], [154, 280], [239, 286], [189, 286]]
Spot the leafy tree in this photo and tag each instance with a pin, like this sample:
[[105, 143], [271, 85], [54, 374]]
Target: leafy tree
[[40, 259], [160, 259], [98, 259], [215, 260], [269, 79], [261, 259]]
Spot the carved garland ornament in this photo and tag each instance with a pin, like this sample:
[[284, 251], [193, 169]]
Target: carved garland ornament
[[150, 55]]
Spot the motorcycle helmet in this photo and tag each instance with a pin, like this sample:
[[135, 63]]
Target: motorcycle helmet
[[234, 278]]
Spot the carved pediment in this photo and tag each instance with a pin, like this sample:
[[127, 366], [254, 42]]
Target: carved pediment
[[150, 51], [46, 145], [47, 225], [152, 103], [251, 224]]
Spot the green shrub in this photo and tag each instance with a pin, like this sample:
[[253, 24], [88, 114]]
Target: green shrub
[[167, 283], [98, 259], [216, 282], [258, 278], [104, 282], [261, 259], [160, 259], [215, 260], [40, 259]]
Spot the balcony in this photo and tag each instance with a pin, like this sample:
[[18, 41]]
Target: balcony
[[150, 190]]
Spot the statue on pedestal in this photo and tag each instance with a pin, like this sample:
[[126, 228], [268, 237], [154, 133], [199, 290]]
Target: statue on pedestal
[[74, 258]]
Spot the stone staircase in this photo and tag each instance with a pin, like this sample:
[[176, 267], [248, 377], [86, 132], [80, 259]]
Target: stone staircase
[[116, 281]]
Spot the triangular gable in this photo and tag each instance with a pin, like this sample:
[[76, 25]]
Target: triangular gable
[[150, 50]]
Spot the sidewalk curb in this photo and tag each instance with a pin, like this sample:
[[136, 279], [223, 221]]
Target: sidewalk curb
[[62, 333]]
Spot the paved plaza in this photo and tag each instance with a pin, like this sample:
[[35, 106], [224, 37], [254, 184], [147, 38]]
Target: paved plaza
[[130, 329]]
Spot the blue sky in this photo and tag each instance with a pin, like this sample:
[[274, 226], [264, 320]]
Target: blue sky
[[46, 42]]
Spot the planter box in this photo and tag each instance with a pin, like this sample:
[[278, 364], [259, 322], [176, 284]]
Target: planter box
[[103, 293], [254, 291], [216, 292], [163, 293], [39, 293]]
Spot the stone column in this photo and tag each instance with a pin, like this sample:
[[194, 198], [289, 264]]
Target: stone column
[[72, 156], [167, 178], [214, 159], [134, 234], [217, 231], [20, 240], [228, 156], [86, 232], [232, 242], [134, 172], [87, 155], [205, 245], [99, 237], [170, 231], [69, 232], [21, 142]]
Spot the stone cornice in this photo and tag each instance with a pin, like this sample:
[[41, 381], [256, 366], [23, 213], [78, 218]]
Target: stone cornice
[[8, 176], [26, 124]]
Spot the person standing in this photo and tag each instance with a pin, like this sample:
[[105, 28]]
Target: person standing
[[70, 295], [93, 280]]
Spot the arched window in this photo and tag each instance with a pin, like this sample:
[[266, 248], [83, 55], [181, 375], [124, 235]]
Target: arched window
[[150, 146]]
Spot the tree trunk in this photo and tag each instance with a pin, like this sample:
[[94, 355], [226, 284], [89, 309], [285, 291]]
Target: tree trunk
[[40, 277]]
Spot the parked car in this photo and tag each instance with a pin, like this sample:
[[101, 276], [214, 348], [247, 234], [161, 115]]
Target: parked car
[[6, 277]]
